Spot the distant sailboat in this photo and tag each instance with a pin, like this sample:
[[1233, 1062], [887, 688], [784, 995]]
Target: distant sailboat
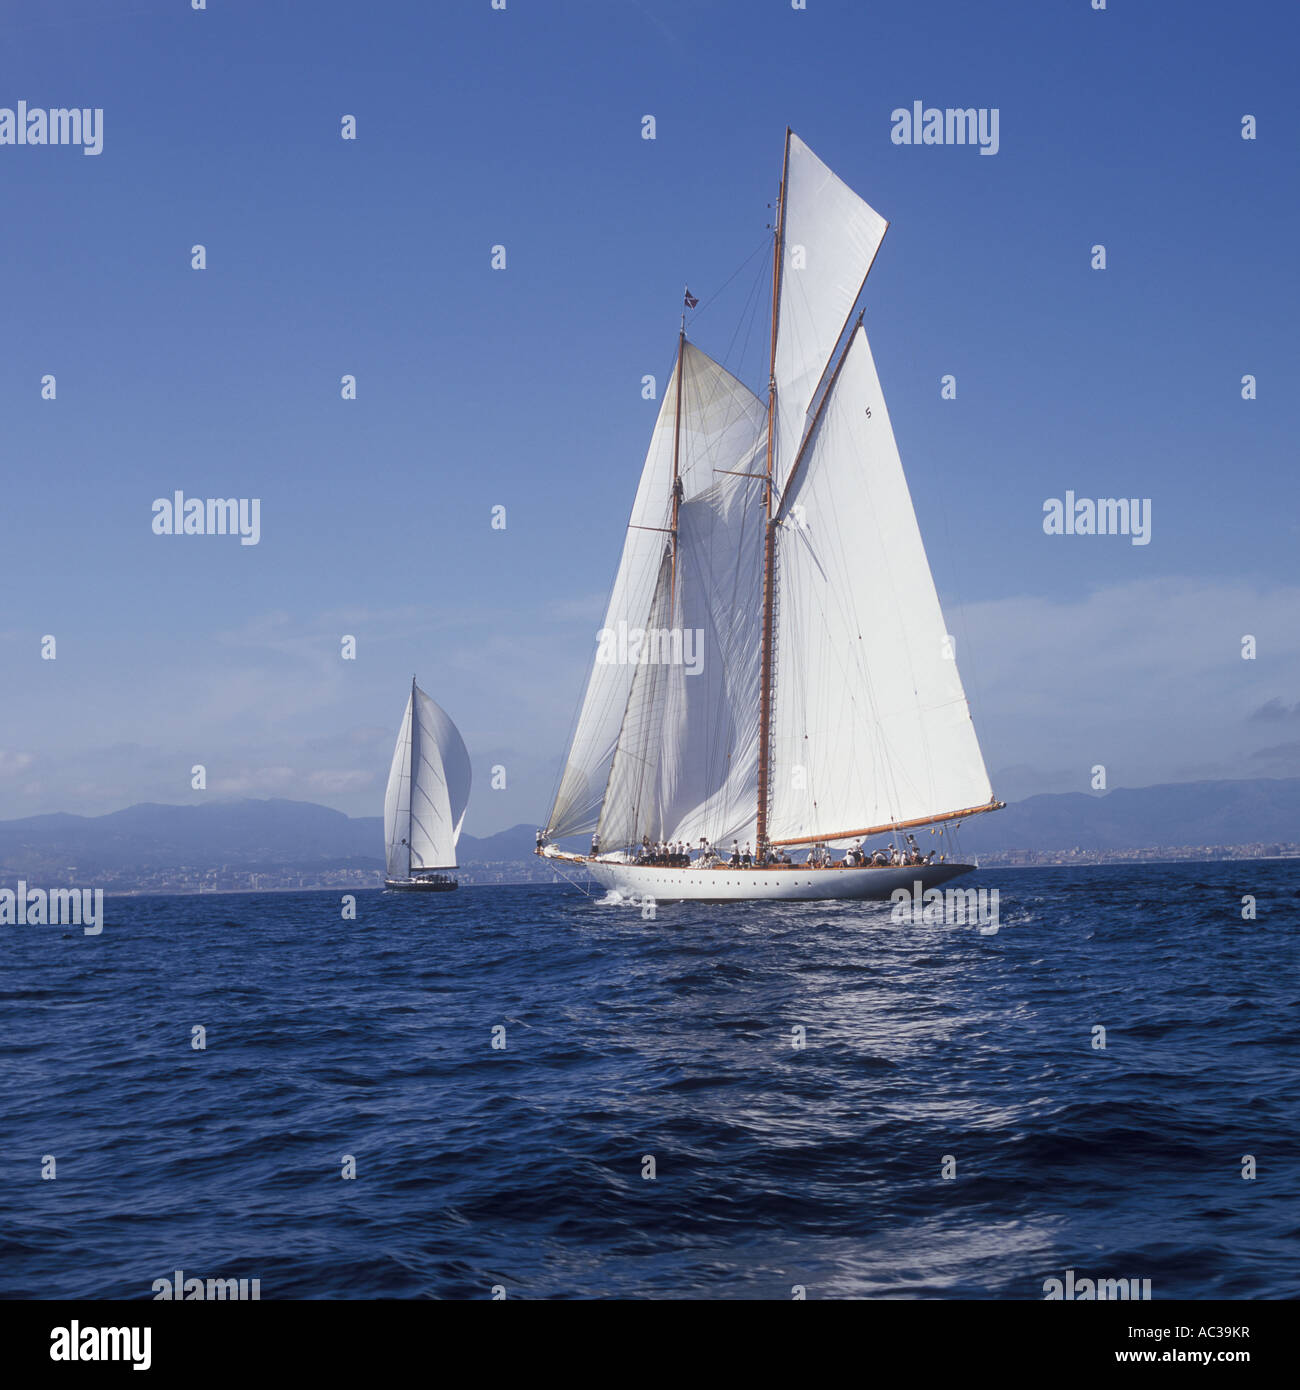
[[774, 668], [428, 790]]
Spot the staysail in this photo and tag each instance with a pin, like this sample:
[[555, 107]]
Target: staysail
[[428, 790]]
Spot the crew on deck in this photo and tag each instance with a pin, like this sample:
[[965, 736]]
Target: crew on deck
[[663, 854], [680, 854]]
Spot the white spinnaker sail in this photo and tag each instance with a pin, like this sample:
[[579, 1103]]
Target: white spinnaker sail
[[428, 790], [660, 751], [870, 724], [830, 238]]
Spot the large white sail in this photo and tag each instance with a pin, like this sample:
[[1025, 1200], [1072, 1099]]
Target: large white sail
[[634, 797], [667, 746], [870, 724], [711, 761], [586, 771], [830, 238], [428, 790]]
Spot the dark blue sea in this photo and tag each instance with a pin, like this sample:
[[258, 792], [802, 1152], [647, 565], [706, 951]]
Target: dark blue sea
[[775, 1166]]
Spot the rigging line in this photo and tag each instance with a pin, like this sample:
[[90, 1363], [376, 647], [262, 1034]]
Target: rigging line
[[710, 299], [748, 317], [572, 882]]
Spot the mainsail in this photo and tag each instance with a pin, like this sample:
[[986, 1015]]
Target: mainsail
[[870, 722], [774, 663], [428, 790]]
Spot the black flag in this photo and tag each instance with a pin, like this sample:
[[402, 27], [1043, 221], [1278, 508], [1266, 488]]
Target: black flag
[[691, 300]]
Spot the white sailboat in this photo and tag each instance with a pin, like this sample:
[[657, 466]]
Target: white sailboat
[[424, 806], [774, 670]]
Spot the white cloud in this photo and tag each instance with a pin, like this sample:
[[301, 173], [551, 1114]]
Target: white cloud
[[1145, 678]]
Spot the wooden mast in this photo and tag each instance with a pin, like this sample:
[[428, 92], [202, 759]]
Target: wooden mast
[[677, 445], [769, 530]]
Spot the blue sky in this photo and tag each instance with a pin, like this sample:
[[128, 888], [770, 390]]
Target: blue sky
[[522, 387]]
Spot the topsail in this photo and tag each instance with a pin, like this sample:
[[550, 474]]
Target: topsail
[[830, 237]]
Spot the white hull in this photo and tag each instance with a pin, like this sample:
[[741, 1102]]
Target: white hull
[[797, 884]]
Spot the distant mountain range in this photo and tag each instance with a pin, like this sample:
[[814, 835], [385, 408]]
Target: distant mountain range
[[252, 834], [246, 833], [1252, 811]]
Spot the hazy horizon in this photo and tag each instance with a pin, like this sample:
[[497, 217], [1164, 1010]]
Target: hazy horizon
[[532, 823]]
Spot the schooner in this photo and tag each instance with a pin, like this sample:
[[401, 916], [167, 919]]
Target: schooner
[[820, 704], [424, 805]]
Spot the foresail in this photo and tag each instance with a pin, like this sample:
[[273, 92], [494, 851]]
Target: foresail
[[830, 237], [870, 722], [586, 771], [634, 803]]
